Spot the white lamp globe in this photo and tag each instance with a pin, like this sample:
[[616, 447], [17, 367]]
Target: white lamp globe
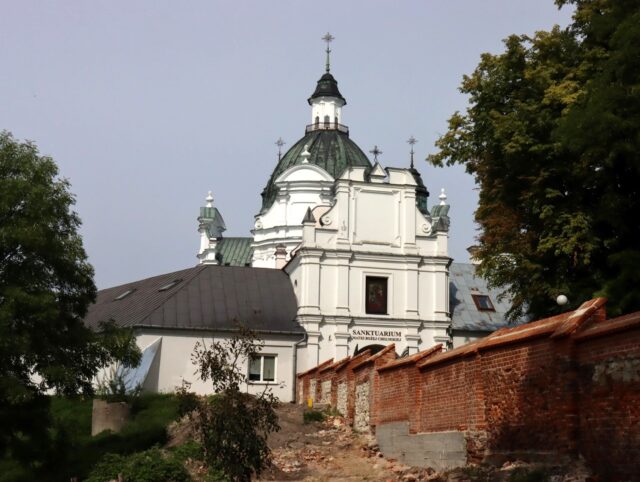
[[562, 300]]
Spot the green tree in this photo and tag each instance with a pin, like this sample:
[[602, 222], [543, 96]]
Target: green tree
[[232, 425], [46, 286], [552, 138]]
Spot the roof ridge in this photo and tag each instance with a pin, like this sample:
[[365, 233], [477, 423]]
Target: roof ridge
[[146, 279]]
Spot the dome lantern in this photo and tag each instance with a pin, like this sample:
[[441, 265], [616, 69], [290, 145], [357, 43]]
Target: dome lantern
[[326, 101]]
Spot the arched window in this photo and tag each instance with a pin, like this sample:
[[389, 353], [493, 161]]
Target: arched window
[[336, 120], [317, 120], [327, 121]]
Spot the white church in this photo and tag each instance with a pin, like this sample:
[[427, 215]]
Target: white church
[[345, 254]]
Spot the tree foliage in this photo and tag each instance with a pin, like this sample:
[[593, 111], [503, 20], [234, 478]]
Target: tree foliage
[[552, 136], [46, 286], [232, 425]]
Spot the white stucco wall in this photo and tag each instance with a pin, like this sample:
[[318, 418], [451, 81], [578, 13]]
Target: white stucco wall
[[173, 362], [301, 187], [326, 106], [373, 228]]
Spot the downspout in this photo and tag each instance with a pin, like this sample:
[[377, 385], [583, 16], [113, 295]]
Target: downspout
[[295, 366]]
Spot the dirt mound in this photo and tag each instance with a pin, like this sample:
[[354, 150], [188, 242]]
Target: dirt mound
[[318, 451]]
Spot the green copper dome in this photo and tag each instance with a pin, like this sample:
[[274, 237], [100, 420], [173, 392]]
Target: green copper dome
[[422, 194], [331, 149]]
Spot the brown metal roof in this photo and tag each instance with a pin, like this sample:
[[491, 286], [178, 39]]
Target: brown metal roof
[[206, 297]]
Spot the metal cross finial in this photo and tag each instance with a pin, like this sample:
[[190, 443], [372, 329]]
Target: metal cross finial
[[280, 143], [376, 152], [412, 141], [328, 38]]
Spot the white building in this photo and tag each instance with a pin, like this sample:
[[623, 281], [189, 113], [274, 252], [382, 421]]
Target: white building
[[345, 254]]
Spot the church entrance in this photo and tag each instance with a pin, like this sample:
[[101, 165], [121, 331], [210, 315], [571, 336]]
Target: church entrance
[[373, 348]]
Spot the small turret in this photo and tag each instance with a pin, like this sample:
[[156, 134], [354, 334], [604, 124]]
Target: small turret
[[210, 226], [440, 213], [326, 101]]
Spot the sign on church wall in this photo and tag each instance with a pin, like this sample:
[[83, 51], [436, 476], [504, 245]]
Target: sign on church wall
[[368, 334]]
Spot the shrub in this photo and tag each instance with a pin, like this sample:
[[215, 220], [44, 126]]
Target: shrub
[[148, 466], [232, 425], [150, 415], [188, 450], [523, 474], [187, 400], [115, 386], [313, 416]]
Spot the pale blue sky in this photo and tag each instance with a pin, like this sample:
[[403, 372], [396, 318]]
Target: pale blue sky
[[146, 105]]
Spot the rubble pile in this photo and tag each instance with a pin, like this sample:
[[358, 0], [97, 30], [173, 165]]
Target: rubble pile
[[331, 450]]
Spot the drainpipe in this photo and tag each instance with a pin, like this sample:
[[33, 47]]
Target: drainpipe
[[295, 364]]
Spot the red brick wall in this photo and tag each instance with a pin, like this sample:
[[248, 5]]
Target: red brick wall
[[399, 389], [568, 384], [609, 401], [447, 402], [529, 396], [305, 378], [346, 373]]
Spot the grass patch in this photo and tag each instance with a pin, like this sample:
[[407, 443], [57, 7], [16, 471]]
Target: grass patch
[[74, 452], [147, 466], [188, 450]]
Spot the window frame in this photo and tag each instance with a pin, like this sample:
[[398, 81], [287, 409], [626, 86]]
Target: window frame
[[124, 294], [262, 356], [376, 278], [477, 296]]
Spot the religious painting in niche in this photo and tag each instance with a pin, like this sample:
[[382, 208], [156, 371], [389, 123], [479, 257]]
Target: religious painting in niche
[[376, 295]]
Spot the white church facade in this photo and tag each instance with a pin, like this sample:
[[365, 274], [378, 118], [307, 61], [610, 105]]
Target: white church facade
[[344, 254]]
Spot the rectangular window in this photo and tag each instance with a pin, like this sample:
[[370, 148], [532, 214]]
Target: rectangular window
[[376, 295], [262, 368], [483, 302]]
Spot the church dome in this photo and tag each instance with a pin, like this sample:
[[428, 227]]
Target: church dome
[[331, 149]]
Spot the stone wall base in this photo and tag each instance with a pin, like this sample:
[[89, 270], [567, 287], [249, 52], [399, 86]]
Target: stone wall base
[[108, 416], [438, 450]]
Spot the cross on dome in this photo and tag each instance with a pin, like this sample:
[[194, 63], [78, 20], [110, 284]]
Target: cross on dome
[[376, 152], [412, 141], [328, 38], [280, 143]]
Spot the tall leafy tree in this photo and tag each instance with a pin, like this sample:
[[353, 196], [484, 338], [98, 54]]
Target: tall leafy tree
[[552, 136], [46, 286]]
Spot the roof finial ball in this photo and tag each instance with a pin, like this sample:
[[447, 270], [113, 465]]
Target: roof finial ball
[[442, 197], [209, 199], [328, 38], [562, 300]]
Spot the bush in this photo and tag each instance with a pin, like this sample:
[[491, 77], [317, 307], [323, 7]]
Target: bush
[[313, 416], [187, 400], [148, 466], [150, 415], [188, 450], [114, 385], [233, 426], [523, 474]]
